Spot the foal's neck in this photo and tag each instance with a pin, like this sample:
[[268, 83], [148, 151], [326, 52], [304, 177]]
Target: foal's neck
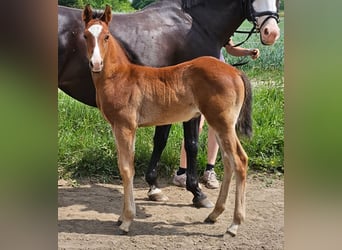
[[115, 60]]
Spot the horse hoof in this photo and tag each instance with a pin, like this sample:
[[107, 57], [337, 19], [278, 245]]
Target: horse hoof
[[124, 228], [123, 232], [232, 230], [233, 234], [206, 203], [209, 221], [157, 195]]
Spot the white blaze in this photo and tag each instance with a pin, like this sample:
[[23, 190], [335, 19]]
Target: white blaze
[[95, 30]]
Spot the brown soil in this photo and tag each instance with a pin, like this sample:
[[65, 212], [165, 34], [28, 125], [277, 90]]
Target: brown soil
[[87, 216]]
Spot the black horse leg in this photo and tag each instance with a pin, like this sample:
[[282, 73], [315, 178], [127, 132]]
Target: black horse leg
[[159, 142], [191, 147]]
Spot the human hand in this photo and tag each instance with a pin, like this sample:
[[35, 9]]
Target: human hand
[[254, 53]]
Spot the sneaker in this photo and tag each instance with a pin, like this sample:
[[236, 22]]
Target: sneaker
[[179, 180], [209, 178]]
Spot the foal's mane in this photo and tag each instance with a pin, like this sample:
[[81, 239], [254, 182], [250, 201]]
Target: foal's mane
[[187, 4], [97, 13], [132, 57]]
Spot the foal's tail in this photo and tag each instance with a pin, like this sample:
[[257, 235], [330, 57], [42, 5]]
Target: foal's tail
[[244, 123]]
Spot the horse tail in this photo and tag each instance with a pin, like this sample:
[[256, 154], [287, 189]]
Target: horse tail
[[244, 123]]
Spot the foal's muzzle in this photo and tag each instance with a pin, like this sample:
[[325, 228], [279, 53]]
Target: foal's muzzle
[[96, 66]]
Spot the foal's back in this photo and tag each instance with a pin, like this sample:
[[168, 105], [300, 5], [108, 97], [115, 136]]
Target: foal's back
[[178, 93]]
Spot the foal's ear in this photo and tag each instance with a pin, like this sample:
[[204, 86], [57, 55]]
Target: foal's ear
[[87, 14], [107, 15]]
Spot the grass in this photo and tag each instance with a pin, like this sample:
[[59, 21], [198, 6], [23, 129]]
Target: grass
[[87, 149]]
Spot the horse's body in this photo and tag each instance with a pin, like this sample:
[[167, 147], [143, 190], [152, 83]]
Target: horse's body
[[131, 96], [165, 33]]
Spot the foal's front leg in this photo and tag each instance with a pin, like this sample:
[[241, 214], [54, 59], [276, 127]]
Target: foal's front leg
[[125, 148]]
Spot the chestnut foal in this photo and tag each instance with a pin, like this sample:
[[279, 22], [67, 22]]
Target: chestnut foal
[[131, 96]]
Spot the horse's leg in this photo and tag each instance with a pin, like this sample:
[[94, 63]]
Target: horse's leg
[[159, 142], [191, 149], [234, 159], [124, 139]]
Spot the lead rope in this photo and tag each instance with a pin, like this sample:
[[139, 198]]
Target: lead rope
[[243, 61], [253, 30]]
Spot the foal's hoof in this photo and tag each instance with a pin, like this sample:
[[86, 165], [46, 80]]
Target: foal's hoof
[[156, 195], [209, 221], [232, 230], [124, 228], [206, 203], [123, 232]]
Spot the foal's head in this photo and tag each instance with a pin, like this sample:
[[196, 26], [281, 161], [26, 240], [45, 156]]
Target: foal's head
[[96, 35]]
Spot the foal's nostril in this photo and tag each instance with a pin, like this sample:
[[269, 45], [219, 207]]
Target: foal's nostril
[[101, 63], [91, 64]]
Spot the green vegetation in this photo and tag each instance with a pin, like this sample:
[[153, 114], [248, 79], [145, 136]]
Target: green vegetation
[[139, 4], [123, 5], [117, 5], [87, 148]]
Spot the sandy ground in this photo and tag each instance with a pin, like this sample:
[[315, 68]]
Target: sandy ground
[[87, 216]]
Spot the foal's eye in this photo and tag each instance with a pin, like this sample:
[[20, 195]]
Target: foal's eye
[[106, 37], [85, 37]]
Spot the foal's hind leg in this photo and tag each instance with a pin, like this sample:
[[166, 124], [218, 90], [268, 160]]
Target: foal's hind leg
[[241, 161], [224, 190], [234, 159], [159, 142], [223, 194], [125, 148]]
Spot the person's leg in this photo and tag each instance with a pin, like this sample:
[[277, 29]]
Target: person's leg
[[182, 161], [179, 179], [213, 146], [209, 176]]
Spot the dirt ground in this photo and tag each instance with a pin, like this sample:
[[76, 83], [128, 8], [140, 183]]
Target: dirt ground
[[87, 216]]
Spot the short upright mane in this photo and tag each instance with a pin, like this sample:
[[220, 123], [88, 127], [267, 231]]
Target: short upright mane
[[132, 57], [188, 4], [97, 14]]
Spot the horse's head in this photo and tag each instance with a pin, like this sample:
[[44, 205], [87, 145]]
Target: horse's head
[[96, 34], [264, 14]]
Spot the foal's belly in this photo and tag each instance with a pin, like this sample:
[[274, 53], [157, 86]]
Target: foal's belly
[[161, 116]]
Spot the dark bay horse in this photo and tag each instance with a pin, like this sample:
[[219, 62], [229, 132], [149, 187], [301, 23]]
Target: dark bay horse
[[164, 33], [131, 96]]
